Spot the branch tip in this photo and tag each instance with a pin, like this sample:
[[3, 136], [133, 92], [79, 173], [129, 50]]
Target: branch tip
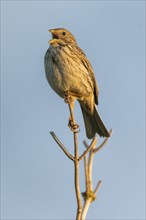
[[62, 146], [93, 143], [97, 187], [103, 143]]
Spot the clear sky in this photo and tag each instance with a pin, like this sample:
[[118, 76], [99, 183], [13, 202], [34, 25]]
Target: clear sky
[[37, 178]]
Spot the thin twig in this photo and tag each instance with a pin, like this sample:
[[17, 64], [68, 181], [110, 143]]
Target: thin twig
[[86, 174], [85, 144], [102, 144], [97, 187], [85, 208], [93, 143], [76, 167], [89, 195], [90, 165], [86, 193], [62, 146]]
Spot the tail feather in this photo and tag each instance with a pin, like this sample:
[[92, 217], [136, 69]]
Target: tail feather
[[94, 124]]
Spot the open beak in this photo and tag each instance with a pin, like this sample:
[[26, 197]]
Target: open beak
[[54, 36]]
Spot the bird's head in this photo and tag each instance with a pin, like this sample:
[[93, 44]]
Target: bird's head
[[61, 37]]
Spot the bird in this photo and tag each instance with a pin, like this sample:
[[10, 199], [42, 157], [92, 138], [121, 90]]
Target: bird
[[70, 74]]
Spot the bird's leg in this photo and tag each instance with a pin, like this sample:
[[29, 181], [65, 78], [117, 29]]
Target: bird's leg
[[68, 98], [71, 123]]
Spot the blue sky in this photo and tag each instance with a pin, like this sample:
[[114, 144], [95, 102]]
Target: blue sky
[[36, 177]]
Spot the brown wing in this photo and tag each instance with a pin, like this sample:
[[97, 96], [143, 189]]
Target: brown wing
[[88, 66]]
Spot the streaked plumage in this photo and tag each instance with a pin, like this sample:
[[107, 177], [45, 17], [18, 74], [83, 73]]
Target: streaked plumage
[[68, 69]]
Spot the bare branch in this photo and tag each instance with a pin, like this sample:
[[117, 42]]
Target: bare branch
[[85, 144], [86, 174], [97, 187], [89, 195], [85, 208], [76, 167], [93, 143], [62, 146], [103, 143], [90, 165], [90, 198]]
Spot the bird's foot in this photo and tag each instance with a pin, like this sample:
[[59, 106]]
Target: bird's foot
[[73, 127]]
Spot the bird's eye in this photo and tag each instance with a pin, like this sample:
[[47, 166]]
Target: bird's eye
[[63, 33]]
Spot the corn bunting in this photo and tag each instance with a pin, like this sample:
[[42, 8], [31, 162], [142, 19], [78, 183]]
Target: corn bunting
[[69, 71]]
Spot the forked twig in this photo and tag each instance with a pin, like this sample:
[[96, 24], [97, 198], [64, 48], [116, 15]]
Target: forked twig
[[89, 195]]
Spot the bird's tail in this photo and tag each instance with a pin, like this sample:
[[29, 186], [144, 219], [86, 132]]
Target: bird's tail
[[94, 124]]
